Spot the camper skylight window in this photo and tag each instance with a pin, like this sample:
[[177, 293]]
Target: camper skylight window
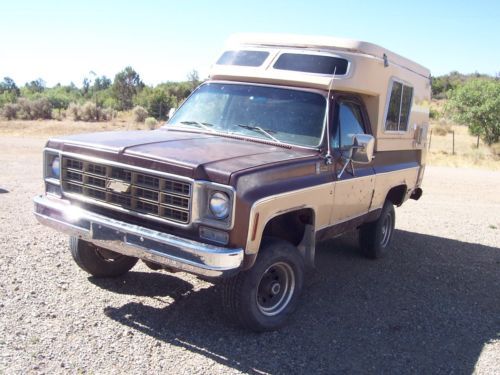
[[243, 58], [318, 64]]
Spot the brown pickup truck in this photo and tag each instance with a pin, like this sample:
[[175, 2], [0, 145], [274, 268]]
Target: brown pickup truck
[[292, 140]]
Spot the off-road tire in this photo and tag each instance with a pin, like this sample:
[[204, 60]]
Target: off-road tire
[[248, 297], [375, 237], [97, 261]]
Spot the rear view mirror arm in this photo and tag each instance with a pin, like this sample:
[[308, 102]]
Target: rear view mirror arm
[[348, 161]]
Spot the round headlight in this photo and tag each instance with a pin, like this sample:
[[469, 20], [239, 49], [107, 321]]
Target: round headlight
[[55, 167], [219, 205]]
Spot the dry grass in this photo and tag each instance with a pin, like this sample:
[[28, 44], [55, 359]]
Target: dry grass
[[440, 153], [49, 128], [466, 152]]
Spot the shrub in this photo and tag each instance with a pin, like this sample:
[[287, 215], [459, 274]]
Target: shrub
[[7, 97], [442, 129], [107, 101], [151, 123], [34, 109], [140, 113], [73, 111], [495, 149], [41, 109], [10, 111], [58, 97], [434, 114], [58, 114], [107, 114], [89, 112]]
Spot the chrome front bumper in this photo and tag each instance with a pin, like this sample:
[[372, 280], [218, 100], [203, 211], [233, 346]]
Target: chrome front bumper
[[136, 241]]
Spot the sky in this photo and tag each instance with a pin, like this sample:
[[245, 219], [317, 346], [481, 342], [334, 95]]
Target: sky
[[63, 41]]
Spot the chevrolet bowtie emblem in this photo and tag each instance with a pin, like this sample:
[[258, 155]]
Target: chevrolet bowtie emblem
[[118, 186]]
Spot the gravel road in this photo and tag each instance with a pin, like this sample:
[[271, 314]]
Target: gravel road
[[432, 306]]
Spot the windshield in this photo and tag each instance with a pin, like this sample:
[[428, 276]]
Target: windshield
[[275, 114]]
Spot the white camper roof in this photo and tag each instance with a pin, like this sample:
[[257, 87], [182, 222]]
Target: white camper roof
[[324, 63], [324, 43]]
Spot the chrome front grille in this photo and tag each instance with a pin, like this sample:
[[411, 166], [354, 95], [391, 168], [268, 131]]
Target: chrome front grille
[[161, 197]]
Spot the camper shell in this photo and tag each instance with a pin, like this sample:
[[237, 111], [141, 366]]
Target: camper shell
[[292, 140], [370, 72]]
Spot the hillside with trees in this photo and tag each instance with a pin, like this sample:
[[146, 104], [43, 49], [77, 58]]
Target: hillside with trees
[[468, 99], [97, 99]]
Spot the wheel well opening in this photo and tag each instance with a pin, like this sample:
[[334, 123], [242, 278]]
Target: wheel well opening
[[290, 226], [397, 195]]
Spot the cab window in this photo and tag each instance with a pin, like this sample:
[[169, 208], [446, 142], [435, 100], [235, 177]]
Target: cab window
[[349, 122]]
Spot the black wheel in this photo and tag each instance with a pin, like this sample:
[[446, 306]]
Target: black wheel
[[97, 261], [375, 237], [263, 297]]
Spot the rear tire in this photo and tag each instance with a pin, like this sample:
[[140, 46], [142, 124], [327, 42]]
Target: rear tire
[[375, 237], [263, 297], [97, 261]]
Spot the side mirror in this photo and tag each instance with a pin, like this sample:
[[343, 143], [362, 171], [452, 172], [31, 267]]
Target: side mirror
[[361, 151], [362, 148], [171, 112]]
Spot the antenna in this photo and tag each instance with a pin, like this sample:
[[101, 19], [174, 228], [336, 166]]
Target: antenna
[[328, 156]]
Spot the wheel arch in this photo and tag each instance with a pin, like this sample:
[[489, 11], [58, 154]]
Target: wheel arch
[[296, 226]]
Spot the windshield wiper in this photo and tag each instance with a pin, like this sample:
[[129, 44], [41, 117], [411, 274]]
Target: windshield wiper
[[266, 132], [203, 125]]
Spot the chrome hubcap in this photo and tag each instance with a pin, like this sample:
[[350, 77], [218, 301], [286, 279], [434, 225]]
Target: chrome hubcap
[[276, 288]]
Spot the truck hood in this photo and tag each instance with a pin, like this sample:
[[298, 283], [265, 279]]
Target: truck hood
[[191, 154]]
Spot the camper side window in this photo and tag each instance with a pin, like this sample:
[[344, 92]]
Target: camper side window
[[398, 111]]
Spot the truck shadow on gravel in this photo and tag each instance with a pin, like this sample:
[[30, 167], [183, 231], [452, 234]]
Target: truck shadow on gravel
[[430, 306]]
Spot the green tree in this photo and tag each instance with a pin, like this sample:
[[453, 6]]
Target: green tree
[[126, 85], [85, 86], [157, 101], [8, 85], [442, 85], [35, 86], [101, 83], [9, 92], [178, 90], [61, 96], [477, 105], [193, 78]]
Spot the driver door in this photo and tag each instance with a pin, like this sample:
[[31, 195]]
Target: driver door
[[354, 188]]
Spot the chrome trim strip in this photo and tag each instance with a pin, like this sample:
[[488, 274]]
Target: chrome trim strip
[[117, 208], [132, 240], [126, 166]]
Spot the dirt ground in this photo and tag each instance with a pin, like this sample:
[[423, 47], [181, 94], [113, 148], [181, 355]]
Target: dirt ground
[[458, 148], [432, 306]]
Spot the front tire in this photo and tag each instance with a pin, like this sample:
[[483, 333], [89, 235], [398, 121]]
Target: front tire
[[263, 297], [375, 237], [97, 261]]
